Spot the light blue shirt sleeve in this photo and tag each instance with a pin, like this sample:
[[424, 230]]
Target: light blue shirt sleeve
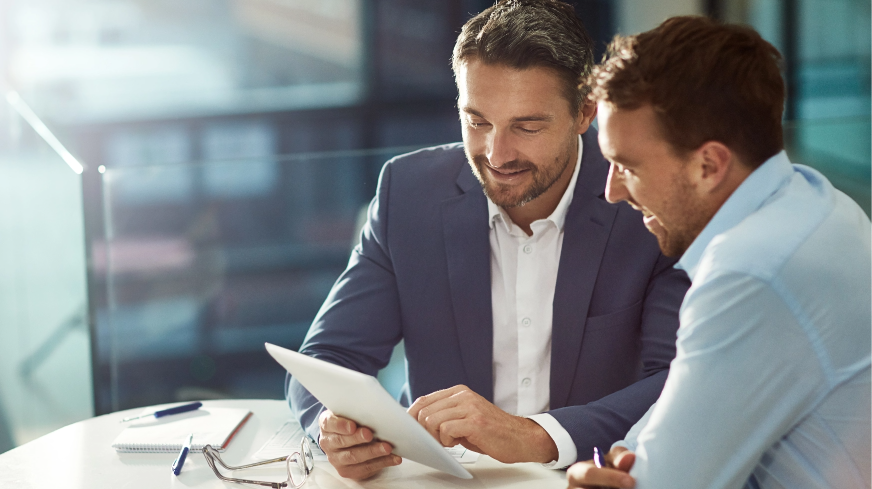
[[745, 372], [632, 438]]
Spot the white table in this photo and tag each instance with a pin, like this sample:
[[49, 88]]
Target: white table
[[80, 456]]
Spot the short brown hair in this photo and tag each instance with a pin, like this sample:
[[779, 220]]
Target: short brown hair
[[706, 81], [531, 33]]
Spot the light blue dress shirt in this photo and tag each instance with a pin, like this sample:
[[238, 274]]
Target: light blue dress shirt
[[770, 387]]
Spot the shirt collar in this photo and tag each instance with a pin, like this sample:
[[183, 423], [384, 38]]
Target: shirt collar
[[749, 197], [558, 217]]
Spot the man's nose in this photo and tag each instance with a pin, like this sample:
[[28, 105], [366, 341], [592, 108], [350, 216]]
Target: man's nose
[[616, 191], [500, 149]]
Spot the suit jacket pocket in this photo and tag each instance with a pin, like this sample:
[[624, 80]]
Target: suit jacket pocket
[[625, 319]]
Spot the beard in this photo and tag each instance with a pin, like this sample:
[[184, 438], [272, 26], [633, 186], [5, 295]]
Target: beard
[[508, 196], [691, 219], [672, 243]]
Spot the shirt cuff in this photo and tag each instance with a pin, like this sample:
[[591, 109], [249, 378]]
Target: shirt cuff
[[313, 431], [567, 454]]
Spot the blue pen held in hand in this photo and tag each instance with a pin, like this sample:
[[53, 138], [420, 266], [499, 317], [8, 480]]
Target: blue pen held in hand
[[180, 460], [599, 459], [165, 412]]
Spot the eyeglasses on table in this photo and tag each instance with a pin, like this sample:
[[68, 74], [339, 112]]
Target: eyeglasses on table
[[299, 465]]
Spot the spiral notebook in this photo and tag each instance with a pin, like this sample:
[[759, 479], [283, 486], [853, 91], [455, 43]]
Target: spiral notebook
[[210, 425]]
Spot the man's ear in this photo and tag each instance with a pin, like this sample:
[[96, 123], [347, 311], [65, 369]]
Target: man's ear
[[586, 114], [713, 162]]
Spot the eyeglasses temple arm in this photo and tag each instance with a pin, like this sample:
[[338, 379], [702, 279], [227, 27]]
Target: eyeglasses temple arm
[[274, 485], [256, 464]]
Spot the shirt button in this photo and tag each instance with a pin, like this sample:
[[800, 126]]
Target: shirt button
[[526, 321], [528, 249], [526, 382]]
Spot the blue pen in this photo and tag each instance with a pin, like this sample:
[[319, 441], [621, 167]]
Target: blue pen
[[599, 459], [164, 412], [180, 460]]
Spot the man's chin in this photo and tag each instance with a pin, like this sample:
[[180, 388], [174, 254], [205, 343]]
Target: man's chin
[[668, 245], [666, 248], [506, 197]]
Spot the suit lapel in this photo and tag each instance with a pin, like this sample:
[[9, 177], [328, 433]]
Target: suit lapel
[[586, 231], [467, 248]]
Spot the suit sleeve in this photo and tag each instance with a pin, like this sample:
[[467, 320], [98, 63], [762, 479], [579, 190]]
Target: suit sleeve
[[607, 420], [359, 323]]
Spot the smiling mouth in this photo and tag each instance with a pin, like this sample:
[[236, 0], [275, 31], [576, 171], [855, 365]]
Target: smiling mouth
[[647, 216], [503, 176], [503, 171]]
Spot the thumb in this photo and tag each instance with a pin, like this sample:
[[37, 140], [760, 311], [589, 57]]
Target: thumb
[[624, 461]]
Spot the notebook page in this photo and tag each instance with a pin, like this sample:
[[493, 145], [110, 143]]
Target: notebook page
[[210, 425]]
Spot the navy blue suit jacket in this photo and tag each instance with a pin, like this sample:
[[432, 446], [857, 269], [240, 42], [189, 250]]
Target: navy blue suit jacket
[[422, 273]]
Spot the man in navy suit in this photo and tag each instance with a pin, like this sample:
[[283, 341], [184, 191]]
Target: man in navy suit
[[539, 320]]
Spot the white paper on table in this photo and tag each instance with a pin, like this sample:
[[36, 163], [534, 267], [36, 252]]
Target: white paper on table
[[287, 440], [463, 454]]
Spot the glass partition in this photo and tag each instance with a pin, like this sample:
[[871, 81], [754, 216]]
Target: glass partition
[[200, 263], [45, 374]]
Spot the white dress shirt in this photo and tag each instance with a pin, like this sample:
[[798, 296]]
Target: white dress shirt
[[523, 277]]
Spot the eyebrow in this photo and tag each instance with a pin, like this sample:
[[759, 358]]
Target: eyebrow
[[625, 162], [612, 158], [526, 118]]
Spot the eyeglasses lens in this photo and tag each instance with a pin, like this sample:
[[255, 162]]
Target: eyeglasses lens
[[300, 464], [296, 470]]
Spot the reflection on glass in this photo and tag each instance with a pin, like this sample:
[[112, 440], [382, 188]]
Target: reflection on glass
[[44, 344], [198, 275], [204, 237], [85, 61]]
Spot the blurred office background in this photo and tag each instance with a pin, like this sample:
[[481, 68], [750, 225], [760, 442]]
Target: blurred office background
[[182, 181]]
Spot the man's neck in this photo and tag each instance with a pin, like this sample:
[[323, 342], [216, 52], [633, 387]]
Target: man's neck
[[543, 206]]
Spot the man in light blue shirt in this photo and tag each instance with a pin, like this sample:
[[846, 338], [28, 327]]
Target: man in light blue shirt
[[770, 387]]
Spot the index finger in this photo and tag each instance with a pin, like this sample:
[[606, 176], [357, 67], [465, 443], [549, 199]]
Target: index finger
[[586, 475], [424, 401], [331, 423]]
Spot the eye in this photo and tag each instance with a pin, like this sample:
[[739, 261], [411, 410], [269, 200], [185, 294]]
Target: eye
[[475, 124], [529, 128]]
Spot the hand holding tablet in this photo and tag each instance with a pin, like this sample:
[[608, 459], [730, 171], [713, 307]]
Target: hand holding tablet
[[353, 450], [355, 396]]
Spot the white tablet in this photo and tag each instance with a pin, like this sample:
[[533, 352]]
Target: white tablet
[[360, 397]]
